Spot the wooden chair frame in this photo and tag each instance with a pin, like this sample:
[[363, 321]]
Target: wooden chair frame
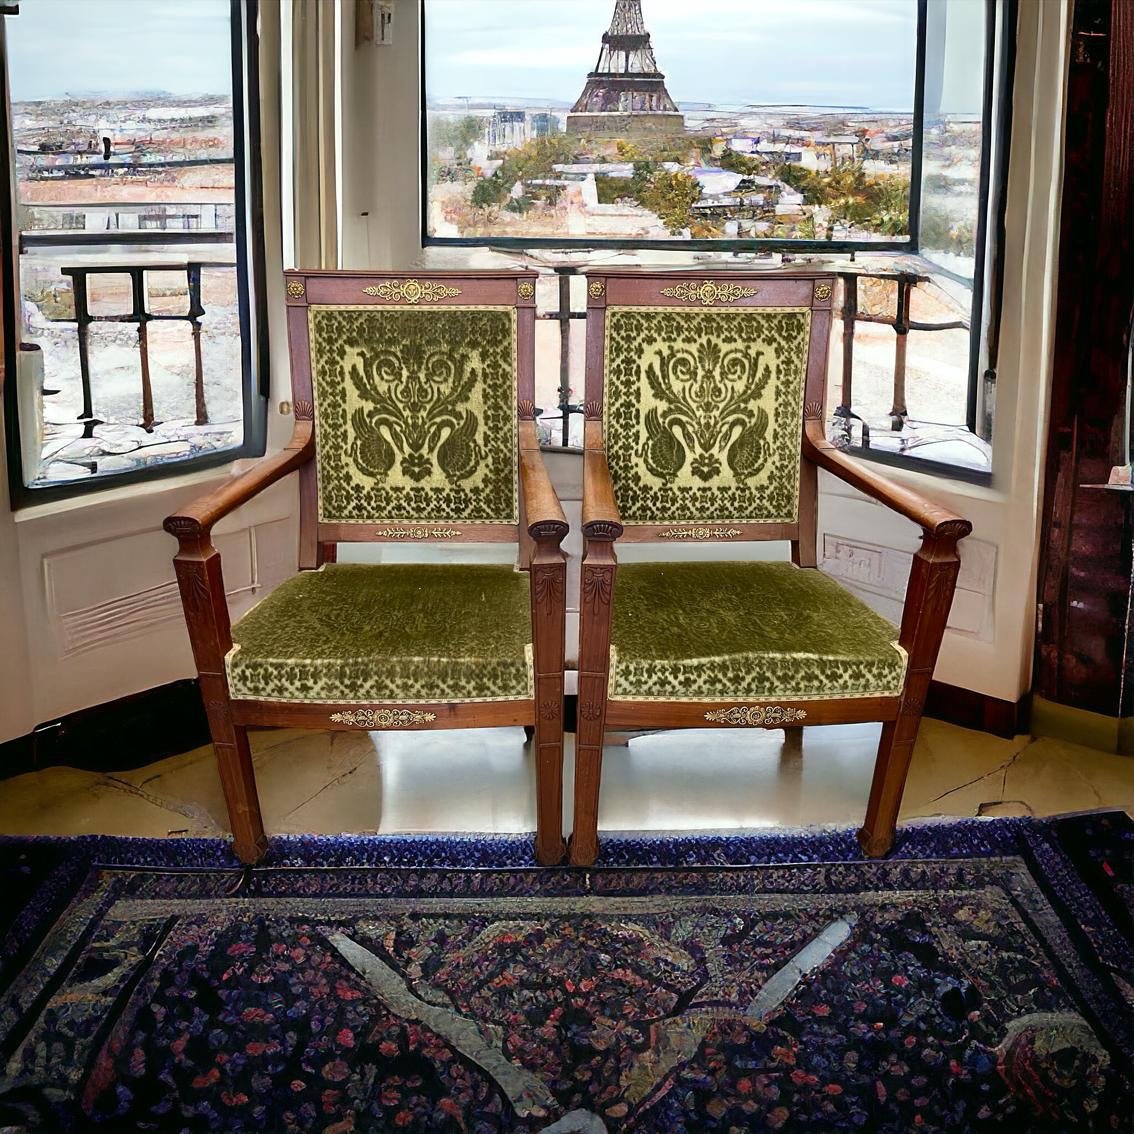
[[539, 533], [929, 593]]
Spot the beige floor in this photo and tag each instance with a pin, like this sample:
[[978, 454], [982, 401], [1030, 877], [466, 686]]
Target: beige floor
[[482, 780]]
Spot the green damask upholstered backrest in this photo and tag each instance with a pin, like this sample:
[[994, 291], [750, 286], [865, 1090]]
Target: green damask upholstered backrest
[[414, 389], [702, 398]]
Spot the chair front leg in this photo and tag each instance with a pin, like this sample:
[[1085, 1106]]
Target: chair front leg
[[549, 604], [597, 592], [198, 567], [929, 595]]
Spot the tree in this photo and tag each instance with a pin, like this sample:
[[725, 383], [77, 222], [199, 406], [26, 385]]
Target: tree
[[537, 158], [671, 196], [457, 134], [489, 191]]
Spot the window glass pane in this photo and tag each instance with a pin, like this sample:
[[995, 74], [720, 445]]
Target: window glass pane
[[122, 126], [954, 132], [650, 120]]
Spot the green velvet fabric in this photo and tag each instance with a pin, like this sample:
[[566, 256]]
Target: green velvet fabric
[[390, 632], [415, 413], [745, 631], [703, 413]]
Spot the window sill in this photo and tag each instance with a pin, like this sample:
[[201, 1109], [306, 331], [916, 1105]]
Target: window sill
[[932, 470], [118, 493]]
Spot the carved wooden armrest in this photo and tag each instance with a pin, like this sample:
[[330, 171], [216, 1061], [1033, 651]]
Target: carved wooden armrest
[[193, 523], [542, 510], [601, 520], [936, 521]]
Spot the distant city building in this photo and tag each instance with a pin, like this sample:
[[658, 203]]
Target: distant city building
[[625, 93]]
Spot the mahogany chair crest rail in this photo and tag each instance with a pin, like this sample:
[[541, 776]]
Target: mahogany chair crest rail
[[414, 424], [703, 424]]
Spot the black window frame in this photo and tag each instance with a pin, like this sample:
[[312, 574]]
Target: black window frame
[[988, 275], [250, 276]]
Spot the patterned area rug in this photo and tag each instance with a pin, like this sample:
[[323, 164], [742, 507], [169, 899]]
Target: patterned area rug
[[981, 979]]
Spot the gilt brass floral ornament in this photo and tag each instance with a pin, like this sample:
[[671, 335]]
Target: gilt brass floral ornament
[[700, 533], [413, 291], [418, 533], [822, 291], [709, 292], [756, 715], [382, 718], [525, 289], [296, 289], [596, 289]]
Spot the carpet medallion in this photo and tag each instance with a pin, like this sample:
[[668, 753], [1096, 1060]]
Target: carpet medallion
[[979, 979]]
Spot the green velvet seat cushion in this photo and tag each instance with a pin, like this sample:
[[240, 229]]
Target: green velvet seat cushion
[[391, 632], [745, 631]]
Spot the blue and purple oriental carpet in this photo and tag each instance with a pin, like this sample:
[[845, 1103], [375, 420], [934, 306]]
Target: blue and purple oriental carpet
[[980, 979]]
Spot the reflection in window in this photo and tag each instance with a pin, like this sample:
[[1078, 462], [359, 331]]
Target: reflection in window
[[126, 215]]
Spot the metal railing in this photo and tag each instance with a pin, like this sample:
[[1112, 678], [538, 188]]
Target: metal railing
[[141, 315], [902, 324]]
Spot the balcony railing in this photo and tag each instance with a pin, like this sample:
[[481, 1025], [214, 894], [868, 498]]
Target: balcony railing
[[141, 315]]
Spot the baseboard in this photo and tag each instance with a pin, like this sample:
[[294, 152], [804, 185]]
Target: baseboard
[[116, 736], [1082, 726], [978, 711]]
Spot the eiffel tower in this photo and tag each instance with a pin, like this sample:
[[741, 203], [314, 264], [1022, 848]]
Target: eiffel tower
[[625, 93]]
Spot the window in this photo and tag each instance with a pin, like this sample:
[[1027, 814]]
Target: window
[[132, 135], [867, 132], [653, 122]]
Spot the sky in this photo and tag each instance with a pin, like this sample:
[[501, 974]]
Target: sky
[[58, 47], [832, 52]]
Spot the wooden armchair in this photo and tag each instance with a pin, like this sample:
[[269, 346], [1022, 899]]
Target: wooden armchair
[[700, 391], [414, 423]]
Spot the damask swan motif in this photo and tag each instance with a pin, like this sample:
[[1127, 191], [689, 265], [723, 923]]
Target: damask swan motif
[[415, 412], [707, 407]]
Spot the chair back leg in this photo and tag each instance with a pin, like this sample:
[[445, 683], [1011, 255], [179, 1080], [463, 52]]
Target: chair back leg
[[594, 665], [549, 591]]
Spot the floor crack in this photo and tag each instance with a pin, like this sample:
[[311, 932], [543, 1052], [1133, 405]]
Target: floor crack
[[330, 784], [1005, 767], [188, 810]]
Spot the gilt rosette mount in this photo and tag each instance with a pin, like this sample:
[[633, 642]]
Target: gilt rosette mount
[[625, 94], [756, 715], [383, 718]]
